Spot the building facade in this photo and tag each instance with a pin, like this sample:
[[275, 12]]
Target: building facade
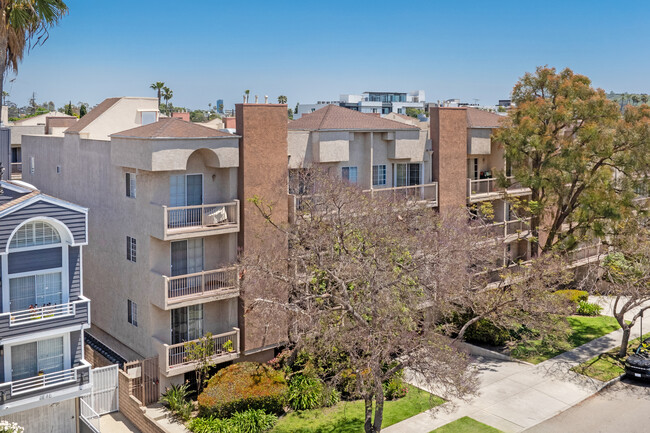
[[166, 206], [44, 312], [372, 102]]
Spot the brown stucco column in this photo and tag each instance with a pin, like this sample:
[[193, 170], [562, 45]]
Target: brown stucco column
[[263, 172], [449, 161]]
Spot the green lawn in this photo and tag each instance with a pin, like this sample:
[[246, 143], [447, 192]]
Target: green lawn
[[608, 365], [347, 416], [584, 329], [465, 425]]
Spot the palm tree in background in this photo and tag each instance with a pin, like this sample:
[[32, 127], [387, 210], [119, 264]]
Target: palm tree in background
[[167, 94], [25, 24], [644, 98], [282, 99], [158, 86]]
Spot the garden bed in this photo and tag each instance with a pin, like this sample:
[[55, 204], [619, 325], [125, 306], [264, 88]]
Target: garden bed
[[348, 416], [608, 365]]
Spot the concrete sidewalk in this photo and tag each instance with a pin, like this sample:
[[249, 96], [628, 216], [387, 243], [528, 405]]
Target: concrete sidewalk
[[514, 396]]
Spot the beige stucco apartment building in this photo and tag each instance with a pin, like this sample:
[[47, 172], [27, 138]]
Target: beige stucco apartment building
[[166, 220]]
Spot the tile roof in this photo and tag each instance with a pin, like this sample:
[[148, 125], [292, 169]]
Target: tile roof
[[483, 119], [171, 127], [92, 115], [335, 117]]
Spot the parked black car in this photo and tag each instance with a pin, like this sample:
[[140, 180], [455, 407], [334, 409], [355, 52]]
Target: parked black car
[[637, 365]]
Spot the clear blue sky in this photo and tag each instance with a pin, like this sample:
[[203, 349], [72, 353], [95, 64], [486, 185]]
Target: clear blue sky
[[307, 50]]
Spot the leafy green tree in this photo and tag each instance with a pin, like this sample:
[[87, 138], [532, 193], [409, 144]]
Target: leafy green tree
[[201, 352], [69, 110], [565, 141], [282, 99], [82, 110], [25, 24], [158, 86]]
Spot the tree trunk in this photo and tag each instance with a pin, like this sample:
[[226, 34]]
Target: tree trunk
[[535, 221], [3, 69], [368, 427], [379, 407], [624, 342]]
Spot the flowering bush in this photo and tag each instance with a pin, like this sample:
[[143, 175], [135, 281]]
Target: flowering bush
[[10, 427], [241, 387]]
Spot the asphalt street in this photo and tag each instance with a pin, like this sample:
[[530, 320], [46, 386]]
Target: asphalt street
[[622, 407]]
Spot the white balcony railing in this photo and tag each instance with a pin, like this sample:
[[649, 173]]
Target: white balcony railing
[[201, 217], [48, 380], [199, 284], [426, 192], [46, 312], [477, 187], [16, 170], [225, 346]]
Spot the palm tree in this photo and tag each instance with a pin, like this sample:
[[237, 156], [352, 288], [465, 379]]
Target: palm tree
[[25, 23], [158, 86], [247, 92], [282, 99], [644, 98], [167, 94]]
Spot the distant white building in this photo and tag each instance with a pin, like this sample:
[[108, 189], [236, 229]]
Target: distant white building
[[371, 102]]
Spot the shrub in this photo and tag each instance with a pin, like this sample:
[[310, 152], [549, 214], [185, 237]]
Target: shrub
[[589, 309], [10, 427], [485, 332], [176, 399], [241, 387], [331, 396], [573, 295], [209, 425], [252, 421], [395, 388], [305, 392]]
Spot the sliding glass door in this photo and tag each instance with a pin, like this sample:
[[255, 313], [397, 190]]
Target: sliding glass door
[[34, 291], [187, 323], [31, 359]]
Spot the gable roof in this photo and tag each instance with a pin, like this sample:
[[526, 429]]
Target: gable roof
[[41, 118], [483, 119], [171, 127], [334, 117], [92, 115]]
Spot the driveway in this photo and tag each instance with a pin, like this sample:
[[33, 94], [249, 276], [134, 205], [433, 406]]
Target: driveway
[[623, 407]]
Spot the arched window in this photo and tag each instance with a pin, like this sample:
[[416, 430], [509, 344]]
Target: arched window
[[35, 233]]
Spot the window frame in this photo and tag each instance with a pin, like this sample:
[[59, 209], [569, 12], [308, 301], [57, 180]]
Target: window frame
[[131, 184], [131, 249], [350, 169], [376, 175], [67, 361], [132, 312]]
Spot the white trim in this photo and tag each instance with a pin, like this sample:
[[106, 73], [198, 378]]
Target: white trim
[[55, 222], [47, 199], [38, 247], [67, 363], [43, 334], [14, 187]]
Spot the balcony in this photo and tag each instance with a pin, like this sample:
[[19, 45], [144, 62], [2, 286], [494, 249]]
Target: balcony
[[16, 170], [196, 288], [173, 357], [184, 222], [45, 389], [426, 193], [586, 255], [488, 189], [41, 318]]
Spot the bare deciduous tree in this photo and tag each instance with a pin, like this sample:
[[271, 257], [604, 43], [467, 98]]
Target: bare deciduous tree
[[371, 282]]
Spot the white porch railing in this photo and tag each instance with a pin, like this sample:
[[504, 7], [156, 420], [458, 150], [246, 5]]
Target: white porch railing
[[425, 192], [196, 285], [89, 416], [225, 344], [488, 186], [16, 170], [30, 384], [46, 312], [205, 216]]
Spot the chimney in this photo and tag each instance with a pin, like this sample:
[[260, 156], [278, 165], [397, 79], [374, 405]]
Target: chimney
[[266, 99], [256, 99]]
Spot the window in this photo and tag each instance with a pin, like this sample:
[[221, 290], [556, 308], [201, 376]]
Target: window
[[378, 175], [130, 249], [132, 312], [35, 291], [130, 185], [34, 234], [349, 174], [187, 323], [148, 117], [407, 174], [28, 360]]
